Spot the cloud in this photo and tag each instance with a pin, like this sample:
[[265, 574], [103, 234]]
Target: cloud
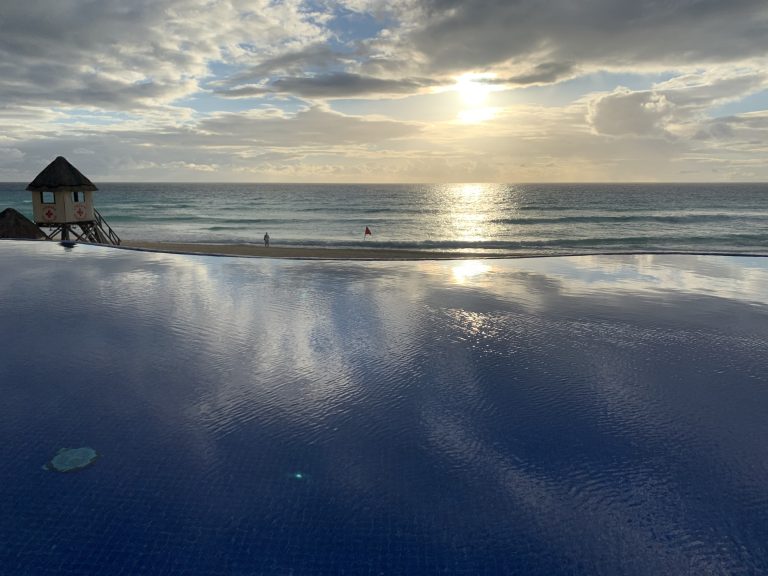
[[252, 133], [314, 143], [73, 52], [671, 106], [741, 138], [718, 130], [635, 113], [167, 88], [117, 55], [524, 143], [544, 73], [460, 34], [335, 85], [113, 54], [314, 56], [11, 155], [309, 127]]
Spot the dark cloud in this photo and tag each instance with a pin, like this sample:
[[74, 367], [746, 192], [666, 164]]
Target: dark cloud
[[120, 55], [544, 73], [316, 56], [750, 128], [334, 85], [459, 34], [69, 87], [125, 55], [107, 53]]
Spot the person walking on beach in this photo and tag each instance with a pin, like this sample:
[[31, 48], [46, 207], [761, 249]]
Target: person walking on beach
[[266, 240]]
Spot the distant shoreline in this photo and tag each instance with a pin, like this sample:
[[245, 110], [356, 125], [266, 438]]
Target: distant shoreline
[[317, 253], [258, 251], [255, 250]]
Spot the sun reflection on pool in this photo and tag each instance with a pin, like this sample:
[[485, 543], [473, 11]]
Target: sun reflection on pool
[[469, 270]]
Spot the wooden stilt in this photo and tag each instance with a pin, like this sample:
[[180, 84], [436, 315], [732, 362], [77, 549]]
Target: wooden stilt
[[95, 232]]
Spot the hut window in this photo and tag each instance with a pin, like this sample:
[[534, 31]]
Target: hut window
[[78, 196], [47, 198]]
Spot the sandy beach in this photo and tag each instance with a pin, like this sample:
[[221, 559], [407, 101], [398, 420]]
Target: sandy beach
[[294, 252]]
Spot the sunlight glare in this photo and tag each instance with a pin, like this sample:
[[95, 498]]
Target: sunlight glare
[[468, 270], [471, 88], [469, 191], [470, 207], [477, 115]]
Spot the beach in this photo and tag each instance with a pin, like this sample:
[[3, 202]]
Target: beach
[[254, 250], [373, 253]]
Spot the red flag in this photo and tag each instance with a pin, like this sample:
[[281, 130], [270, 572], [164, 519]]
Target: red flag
[[367, 232]]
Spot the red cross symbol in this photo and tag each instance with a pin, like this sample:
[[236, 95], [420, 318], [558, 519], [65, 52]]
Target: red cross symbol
[[49, 214], [79, 212]]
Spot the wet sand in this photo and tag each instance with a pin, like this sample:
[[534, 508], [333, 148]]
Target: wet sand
[[294, 252]]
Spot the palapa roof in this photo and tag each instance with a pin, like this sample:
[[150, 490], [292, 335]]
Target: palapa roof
[[60, 176], [13, 224]]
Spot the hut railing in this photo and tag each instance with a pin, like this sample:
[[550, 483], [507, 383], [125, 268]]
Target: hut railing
[[104, 228]]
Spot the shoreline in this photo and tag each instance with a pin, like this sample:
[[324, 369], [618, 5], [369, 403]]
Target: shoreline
[[253, 250], [314, 253], [244, 250]]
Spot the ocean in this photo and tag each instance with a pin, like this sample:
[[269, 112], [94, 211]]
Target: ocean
[[494, 219]]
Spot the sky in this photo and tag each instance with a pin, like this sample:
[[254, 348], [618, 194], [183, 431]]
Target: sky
[[396, 91]]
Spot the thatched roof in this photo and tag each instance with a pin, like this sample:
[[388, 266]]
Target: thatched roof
[[60, 176], [14, 224]]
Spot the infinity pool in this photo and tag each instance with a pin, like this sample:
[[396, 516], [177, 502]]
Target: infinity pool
[[585, 415]]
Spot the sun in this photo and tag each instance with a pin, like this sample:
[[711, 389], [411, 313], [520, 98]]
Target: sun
[[473, 88]]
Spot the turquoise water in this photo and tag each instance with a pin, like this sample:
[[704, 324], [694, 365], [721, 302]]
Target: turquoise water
[[492, 218]]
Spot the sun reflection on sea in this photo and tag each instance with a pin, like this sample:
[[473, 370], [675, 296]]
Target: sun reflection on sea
[[471, 210], [469, 191]]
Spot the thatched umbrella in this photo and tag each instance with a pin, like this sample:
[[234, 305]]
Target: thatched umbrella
[[13, 224], [61, 176]]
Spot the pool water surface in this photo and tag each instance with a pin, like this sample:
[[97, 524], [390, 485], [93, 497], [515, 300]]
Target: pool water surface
[[572, 415]]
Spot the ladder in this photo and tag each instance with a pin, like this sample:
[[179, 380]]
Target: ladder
[[103, 231]]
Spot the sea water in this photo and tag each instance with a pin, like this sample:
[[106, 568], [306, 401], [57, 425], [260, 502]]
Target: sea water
[[534, 219]]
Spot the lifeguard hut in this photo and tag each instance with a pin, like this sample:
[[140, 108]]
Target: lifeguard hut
[[62, 203]]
